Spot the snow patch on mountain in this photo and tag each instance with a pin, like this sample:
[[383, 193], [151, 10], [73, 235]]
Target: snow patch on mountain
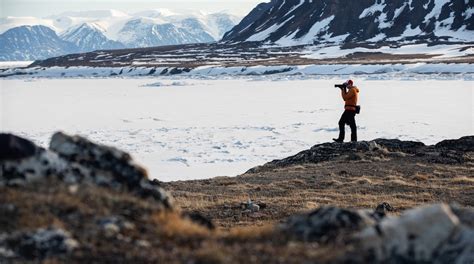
[[439, 51], [370, 11]]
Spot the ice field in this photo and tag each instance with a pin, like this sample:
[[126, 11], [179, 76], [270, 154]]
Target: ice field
[[184, 129]]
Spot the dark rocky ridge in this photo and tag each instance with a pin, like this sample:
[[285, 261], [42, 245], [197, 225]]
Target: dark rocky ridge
[[444, 152], [246, 54], [291, 17]]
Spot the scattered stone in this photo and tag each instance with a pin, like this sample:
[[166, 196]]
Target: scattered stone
[[382, 209], [110, 229], [37, 244], [143, 243], [251, 206], [73, 188], [431, 234], [113, 225]]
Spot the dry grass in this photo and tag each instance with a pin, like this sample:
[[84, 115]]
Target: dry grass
[[403, 181], [172, 225]]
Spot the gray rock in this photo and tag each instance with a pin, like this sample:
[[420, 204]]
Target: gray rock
[[431, 234], [114, 224], [383, 208], [250, 205], [327, 223], [37, 244]]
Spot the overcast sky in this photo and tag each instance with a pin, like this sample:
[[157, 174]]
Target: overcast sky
[[44, 8]]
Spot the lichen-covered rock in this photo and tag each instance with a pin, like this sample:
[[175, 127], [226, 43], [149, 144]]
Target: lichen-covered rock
[[109, 166], [431, 234], [42, 163], [327, 223], [37, 244], [74, 159], [115, 163]]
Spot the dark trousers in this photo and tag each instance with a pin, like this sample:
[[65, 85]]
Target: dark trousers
[[348, 117]]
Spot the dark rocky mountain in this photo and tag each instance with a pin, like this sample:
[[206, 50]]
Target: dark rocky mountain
[[89, 37], [319, 21], [29, 42]]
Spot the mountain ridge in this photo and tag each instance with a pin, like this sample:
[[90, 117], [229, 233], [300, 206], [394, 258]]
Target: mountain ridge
[[312, 22], [109, 29]]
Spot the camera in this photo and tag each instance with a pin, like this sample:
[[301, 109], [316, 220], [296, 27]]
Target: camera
[[341, 86]]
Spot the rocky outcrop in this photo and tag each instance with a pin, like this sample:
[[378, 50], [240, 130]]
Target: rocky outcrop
[[445, 152], [73, 160]]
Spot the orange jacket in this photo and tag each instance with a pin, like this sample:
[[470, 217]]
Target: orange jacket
[[350, 98]]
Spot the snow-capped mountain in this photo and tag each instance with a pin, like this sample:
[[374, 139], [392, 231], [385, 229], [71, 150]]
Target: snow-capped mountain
[[31, 43], [145, 33], [112, 29], [89, 37], [300, 22], [165, 27]]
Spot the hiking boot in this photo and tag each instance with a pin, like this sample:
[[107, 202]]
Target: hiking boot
[[338, 140]]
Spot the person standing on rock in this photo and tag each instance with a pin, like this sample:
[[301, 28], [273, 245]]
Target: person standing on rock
[[350, 95]]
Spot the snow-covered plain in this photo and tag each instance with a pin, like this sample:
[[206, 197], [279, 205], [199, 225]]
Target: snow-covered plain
[[188, 128]]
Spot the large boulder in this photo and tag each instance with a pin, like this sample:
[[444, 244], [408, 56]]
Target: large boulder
[[327, 223], [75, 159], [430, 234]]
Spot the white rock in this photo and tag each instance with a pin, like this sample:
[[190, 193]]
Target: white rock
[[417, 234]]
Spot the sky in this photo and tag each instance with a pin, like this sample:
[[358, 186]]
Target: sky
[[44, 8]]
